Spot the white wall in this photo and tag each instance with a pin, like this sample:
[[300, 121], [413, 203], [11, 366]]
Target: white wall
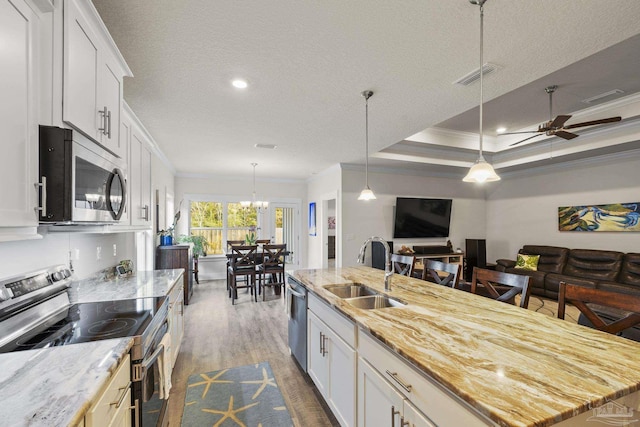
[[323, 187], [525, 210], [375, 218]]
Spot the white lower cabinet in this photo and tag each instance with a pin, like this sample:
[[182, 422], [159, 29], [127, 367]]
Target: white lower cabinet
[[380, 404], [382, 375], [332, 359], [113, 406], [176, 319]]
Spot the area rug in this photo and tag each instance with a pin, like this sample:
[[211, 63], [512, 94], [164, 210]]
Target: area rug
[[246, 396]]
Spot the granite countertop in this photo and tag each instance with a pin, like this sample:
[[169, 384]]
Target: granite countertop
[[141, 284], [56, 386], [516, 366]]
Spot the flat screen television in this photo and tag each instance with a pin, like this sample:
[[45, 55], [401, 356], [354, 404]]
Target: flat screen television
[[421, 218]]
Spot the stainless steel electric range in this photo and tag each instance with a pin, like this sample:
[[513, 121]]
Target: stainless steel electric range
[[35, 312]]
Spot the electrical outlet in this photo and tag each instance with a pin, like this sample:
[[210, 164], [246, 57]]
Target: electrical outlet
[[115, 250], [98, 253]]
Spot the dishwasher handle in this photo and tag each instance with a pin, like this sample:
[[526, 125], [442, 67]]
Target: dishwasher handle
[[296, 293]]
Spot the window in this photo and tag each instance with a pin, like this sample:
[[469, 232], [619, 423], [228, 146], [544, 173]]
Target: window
[[221, 221]]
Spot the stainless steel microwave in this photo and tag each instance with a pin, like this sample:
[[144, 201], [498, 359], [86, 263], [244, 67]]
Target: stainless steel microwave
[[80, 182]]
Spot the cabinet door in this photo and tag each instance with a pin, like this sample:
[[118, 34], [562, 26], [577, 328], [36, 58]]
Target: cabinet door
[[379, 403], [110, 98], [412, 417], [81, 72], [140, 176], [18, 113], [122, 417], [342, 378], [318, 365], [176, 313]]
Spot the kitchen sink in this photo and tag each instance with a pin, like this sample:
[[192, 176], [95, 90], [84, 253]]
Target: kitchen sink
[[375, 301], [351, 291]]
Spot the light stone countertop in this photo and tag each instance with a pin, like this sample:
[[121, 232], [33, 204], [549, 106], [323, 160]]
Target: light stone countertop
[[516, 366], [56, 386], [141, 284]]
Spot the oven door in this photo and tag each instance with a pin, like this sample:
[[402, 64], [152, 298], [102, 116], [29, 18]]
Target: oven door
[[98, 187], [146, 384]]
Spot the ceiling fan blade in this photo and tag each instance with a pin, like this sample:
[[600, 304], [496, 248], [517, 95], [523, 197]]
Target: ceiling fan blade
[[523, 140], [516, 133], [566, 135], [558, 122], [594, 122]]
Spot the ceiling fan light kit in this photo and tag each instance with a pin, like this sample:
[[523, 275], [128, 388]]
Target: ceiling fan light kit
[[481, 171], [366, 193]]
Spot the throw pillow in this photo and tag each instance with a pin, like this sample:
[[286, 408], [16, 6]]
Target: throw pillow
[[527, 262]]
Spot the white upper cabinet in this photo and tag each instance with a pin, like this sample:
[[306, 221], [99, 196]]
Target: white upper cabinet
[[139, 176], [93, 71], [19, 54]]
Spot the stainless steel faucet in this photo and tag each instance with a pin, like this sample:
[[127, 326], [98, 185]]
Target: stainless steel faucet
[[388, 271]]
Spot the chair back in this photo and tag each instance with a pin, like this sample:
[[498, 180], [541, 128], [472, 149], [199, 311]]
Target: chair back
[[580, 296], [243, 257], [273, 257], [442, 273], [231, 243], [263, 241], [403, 264], [501, 286]]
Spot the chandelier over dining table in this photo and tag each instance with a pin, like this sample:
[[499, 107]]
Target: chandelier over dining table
[[259, 205]]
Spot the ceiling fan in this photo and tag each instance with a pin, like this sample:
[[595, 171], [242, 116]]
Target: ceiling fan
[[556, 126]]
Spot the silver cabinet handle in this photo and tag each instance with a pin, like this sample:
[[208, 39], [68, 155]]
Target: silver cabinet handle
[[324, 346], [397, 379], [124, 393], [103, 117], [42, 204], [145, 215], [393, 415], [404, 423], [321, 344], [109, 124]]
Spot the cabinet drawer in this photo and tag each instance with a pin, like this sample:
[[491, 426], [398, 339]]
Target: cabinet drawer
[[442, 407], [345, 328], [106, 407]]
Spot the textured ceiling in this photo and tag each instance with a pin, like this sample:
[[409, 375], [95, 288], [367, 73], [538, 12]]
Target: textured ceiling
[[307, 62]]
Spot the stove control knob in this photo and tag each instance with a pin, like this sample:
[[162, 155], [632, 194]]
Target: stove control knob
[[66, 272], [5, 294], [58, 275]]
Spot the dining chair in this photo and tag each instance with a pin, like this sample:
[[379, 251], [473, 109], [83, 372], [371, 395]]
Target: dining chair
[[442, 273], [501, 286], [625, 307], [263, 241], [242, 264], [403, 264], [231, 243], [271, 269]]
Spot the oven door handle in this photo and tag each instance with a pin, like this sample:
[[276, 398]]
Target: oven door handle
[[154, 356]]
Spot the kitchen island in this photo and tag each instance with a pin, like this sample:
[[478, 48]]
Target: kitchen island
[[511, 366]]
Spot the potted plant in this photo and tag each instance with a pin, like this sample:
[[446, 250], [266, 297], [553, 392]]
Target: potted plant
[[200, 244]]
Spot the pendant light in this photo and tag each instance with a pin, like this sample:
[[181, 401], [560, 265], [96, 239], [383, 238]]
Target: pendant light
[[481, 171], [366, 193], [259, 205]]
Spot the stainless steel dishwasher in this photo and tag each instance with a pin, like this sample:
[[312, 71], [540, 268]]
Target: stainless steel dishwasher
[[297, 309]]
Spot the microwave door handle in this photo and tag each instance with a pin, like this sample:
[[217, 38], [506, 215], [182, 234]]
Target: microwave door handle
[[42, 205]]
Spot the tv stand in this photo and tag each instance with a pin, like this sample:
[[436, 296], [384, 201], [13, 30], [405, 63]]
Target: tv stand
[[449, 258]]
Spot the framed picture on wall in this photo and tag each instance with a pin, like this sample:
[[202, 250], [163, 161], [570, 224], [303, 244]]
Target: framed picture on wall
[[312, 219]]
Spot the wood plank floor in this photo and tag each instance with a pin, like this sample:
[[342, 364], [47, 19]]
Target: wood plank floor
[[219, 335]]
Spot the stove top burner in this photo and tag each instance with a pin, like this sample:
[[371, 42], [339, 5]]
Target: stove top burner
[[89, 322]]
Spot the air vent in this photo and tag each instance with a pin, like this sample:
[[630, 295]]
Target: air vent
[[593, 99], [487, 68], [266, 146]]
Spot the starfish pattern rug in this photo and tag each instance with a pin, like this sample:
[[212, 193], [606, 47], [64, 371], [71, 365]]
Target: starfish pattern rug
[[245, 396]]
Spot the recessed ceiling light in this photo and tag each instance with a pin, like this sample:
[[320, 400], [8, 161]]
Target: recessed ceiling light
[[266, 146], [239, 83], [501, 130]]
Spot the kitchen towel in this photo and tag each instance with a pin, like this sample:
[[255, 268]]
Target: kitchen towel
[[164, 367]]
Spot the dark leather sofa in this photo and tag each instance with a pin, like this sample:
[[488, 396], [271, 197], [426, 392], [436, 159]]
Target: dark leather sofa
[[610, 270]]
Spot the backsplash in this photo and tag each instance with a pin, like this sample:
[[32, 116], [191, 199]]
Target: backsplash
[[87, 253]]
